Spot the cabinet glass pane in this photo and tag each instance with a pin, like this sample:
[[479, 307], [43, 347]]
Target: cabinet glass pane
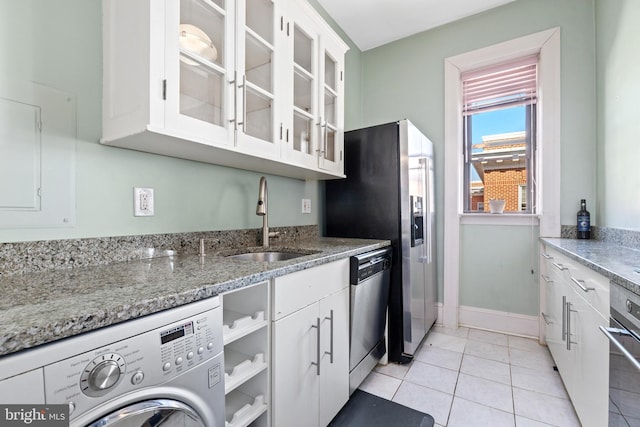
[[259, 17], [302, 91], [302, 49], [201, 92], [202, 30], [259, 63], [330, 145], [330, 107], [302, 127], [259, 116], [330, 72]]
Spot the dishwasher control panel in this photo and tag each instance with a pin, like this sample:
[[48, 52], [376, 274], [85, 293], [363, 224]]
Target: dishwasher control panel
[[369, 264]]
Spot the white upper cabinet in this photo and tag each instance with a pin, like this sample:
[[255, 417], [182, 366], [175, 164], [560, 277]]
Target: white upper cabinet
[[259, 50], [213, 81], [315, 66], [199, 64]]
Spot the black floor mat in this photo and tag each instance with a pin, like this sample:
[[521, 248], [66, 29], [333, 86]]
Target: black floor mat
[[366, 410]]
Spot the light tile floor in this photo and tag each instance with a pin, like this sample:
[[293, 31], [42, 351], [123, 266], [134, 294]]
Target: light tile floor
[[472, 378]]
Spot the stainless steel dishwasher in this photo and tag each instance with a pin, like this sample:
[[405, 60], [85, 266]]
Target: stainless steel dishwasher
[[370, 276]]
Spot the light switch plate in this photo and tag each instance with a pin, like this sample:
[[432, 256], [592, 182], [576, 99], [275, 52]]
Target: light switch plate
[[306, 205], [143, 202]]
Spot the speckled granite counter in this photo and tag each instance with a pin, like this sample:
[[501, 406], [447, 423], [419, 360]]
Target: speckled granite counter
[[42, 307], [618, 263]]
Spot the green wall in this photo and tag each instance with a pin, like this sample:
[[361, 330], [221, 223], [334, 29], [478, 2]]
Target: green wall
[[59, 44], [618, 72], [406, 79], [501, 277]]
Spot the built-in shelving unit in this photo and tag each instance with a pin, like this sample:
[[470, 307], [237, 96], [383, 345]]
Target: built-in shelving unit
[[246, 356]]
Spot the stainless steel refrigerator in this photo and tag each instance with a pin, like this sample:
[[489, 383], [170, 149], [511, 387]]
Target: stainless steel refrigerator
[[388, 194]]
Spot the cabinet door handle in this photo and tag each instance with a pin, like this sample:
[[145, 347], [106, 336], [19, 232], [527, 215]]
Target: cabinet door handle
[[546, 279], [330, 352], [621, 332], [326, 136], [564, 318], [569, 311], [580, 283], [547, 256], [244, 104], [560, 266], [234, 82], [544, 317], [317, 364]]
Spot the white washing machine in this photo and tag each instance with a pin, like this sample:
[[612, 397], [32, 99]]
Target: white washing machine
[[163, 369]]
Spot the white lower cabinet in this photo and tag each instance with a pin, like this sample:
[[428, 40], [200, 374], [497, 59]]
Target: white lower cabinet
[[310, 333], [576, 304]]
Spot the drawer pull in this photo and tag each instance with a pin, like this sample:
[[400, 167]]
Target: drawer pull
[[544, 317], [546, 279], [560, 266], [581, 284], [547, 256]]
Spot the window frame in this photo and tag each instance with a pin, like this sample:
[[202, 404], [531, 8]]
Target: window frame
[[547, 44]]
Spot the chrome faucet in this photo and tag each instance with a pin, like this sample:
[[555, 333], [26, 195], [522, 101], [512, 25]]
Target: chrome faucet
[[262, 209]]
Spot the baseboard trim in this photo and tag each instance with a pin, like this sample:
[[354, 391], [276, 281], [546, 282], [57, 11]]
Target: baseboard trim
[[499, 321]]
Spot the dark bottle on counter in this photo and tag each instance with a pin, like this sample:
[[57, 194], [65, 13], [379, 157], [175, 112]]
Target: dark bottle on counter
[[584, 221]]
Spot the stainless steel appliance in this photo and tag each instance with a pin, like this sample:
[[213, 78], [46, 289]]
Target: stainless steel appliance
[[370, 275], [388, 194], [624, 357], [166, 368]]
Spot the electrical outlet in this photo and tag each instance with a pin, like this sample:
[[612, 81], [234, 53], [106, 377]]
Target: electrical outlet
[[306, 205], [143, 201]]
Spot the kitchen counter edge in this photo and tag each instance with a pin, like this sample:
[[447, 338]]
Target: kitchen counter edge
[[190, 279], [619, 264]]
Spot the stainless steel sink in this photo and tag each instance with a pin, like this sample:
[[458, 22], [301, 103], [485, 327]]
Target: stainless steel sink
[[266, 256]]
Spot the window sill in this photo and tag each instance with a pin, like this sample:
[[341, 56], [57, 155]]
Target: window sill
[[499, 219]]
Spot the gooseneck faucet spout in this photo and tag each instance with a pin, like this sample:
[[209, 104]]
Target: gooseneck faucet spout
[[261, 210]]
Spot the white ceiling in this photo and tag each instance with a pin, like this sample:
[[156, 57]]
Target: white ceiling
[[372, 23]]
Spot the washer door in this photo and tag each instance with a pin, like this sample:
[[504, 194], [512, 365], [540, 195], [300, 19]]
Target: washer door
[[152, 413]]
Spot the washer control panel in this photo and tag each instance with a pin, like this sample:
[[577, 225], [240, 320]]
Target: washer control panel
[[148, 359]]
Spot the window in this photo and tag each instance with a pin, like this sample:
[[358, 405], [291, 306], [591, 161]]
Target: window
[[499, 120]]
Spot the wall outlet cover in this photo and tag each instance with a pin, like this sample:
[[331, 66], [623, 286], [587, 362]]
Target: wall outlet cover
[[143, 202]]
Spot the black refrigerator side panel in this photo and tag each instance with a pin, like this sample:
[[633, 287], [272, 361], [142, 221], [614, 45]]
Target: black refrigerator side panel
[[366, 204]]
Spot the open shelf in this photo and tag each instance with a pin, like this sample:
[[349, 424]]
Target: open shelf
[[240, 367], [236, 325], [242, 409]]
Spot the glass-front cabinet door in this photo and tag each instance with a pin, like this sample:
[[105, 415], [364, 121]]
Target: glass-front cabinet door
[[303, 121], [199, 63], [256, 81], [331, 108]]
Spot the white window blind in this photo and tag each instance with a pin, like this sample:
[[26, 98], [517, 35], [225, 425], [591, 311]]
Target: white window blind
[[508, 84]]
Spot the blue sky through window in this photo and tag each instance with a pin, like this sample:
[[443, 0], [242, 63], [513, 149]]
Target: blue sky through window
[[498, 121], [495, 122]]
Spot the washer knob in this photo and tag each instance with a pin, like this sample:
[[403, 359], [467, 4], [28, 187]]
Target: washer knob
[[101, 374], [104, 375]]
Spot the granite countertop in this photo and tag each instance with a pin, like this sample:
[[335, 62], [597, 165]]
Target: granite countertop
[[620, 264], [37, 308]]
